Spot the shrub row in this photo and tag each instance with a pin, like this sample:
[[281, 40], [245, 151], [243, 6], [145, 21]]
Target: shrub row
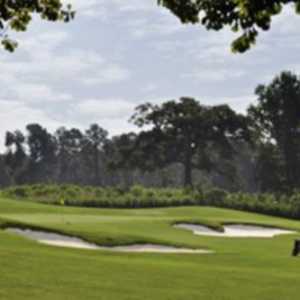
[[140, 197]]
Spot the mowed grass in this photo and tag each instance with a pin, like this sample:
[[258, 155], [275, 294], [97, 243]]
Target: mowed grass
[[240, 268]]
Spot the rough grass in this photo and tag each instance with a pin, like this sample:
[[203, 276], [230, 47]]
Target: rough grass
[[240, 269]]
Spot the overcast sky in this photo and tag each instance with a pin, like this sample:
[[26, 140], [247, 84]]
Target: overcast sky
[[119, 53]]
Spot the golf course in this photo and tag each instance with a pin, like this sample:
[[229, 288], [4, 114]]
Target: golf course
[[233, 268]]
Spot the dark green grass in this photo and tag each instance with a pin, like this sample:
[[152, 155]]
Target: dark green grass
[[240, 268]]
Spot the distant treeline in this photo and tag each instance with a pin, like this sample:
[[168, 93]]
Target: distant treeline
[[180, 143], [90, 158]]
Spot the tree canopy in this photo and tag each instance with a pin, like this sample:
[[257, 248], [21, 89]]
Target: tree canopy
[[246, 16], [276, 118], [16, 15], [186, 132]]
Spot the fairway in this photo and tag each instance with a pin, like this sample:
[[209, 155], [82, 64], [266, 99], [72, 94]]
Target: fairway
[[239, 268]]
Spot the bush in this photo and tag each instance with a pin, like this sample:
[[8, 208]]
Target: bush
[[214, 197], [137, 191], [137, 197], [20, 192]]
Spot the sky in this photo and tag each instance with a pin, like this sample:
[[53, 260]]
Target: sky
[[118, 54]]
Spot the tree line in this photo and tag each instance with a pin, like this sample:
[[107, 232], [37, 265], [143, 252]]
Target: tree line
[[180, 143]]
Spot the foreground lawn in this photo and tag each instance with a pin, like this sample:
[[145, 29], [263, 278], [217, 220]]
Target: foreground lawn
[[240, 268]]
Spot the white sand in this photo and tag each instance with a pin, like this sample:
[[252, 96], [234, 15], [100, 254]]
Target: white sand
[[60, 240], [53, 239], [241, 231], [156, 249]]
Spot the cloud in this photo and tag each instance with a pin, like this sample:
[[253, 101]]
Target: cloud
[[134, 5], [35, 93], [87, 8], [149, 87], [238, 103], [112, 114], [141, 28], [16, 115], [113, 108], [120, 53], [73, 64], [105, 9], [214, 75], [111, 74], [42, 69]]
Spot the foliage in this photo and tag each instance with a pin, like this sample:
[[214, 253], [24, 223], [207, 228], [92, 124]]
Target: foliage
[[284, 205], [95, 139], [17, 15], [15, 157], [246, 16], [276, 119], [189, 133], [181, 143], [269, 169], [73, 195]]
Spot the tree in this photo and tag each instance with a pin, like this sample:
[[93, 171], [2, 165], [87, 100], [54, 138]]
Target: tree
[[269, 170], [69, 144], [247, 16], [122, 157], [120, 149], [16, 15], [4, 177], [276, 118], [95, 139], [15, 156], [42, 153], [186, 132]]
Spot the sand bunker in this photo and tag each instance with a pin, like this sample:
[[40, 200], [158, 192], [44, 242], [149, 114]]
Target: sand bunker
[[241, 231], [60, 240], [53, 239], [156, 248]]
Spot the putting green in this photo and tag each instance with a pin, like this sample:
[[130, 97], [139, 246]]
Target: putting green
[[253, 268]]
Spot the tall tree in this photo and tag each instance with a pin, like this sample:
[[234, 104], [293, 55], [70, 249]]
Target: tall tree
[[42, 153], [15, 156], [269, 169], [246, 16], [95, 139], [277, 119], [69, 144], [5, 179], [185, 131], [123, 158]]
